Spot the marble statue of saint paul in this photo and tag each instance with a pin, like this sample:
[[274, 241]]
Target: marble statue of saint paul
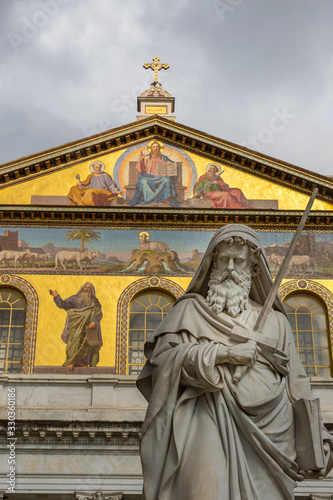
[[204, 435]]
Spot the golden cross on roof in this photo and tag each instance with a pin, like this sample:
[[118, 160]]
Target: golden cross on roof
[[156, 66]]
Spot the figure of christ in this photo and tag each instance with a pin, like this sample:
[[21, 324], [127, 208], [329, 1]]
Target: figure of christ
[[205, 436], [98, 189], [151, 188], [83, 311], [213, 188]]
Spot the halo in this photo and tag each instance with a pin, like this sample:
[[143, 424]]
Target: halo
[[215, 165], [91, 166], [152, 142], [144, 232]]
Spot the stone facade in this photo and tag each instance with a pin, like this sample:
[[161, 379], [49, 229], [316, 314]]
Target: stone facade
[[77, 433], [80, 435]]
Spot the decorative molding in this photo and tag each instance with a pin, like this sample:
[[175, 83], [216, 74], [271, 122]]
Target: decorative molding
[[148, 283], [79, 433], [306, 285], [183, 218], [271, 227], [99, 495], [180, 274], [29, 346], [323, 496]]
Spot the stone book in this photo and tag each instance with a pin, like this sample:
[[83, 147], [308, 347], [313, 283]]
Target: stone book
[[309, 445]]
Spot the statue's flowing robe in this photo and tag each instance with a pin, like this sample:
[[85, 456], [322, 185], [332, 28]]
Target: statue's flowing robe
[[152, 188], [79, 316], [205, 437], [220, 193], [96, 190]]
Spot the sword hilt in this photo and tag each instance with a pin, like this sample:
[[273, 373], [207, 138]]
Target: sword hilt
[[243, 335], [241, 369]]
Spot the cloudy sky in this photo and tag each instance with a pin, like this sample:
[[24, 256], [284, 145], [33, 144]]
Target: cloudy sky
[[254, 72]]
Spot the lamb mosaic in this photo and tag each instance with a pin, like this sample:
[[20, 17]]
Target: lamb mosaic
[[122, 252]]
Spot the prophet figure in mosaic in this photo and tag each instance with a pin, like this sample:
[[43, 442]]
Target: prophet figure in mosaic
[[207, 434], [82, 332], [98, 189], [211, 187]]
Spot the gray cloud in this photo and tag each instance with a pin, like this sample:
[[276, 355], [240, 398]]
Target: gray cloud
[[231, 67]]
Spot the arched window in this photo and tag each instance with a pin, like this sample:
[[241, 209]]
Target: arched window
[[141, 286], [147, 310], [308, 317], [13, 307]]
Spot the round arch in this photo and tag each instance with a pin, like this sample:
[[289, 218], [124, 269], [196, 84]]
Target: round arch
[[29, 346], [124, 301], [305, 285]]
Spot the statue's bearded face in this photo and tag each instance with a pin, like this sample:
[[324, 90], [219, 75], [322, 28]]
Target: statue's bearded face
[[230, 280]]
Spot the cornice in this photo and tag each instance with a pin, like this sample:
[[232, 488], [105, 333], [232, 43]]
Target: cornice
[[160, 218], [77, 433], [179, 135]]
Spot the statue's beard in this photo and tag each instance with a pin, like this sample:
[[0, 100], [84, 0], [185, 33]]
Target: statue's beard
[[85, 298], [228, 292]]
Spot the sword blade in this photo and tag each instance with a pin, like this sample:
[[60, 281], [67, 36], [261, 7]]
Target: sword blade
[[277, 282]]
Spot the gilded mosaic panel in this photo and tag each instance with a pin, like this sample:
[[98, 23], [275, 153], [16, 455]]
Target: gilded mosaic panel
[[123, 252]]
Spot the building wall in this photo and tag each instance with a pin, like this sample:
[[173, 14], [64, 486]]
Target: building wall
[[112, 278], [80, 430], [82, 433]]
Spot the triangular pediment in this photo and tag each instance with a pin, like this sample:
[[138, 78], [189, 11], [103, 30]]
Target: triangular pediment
[[249, 180]]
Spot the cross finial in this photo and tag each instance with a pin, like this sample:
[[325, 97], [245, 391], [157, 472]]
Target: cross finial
[[156, 66]]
